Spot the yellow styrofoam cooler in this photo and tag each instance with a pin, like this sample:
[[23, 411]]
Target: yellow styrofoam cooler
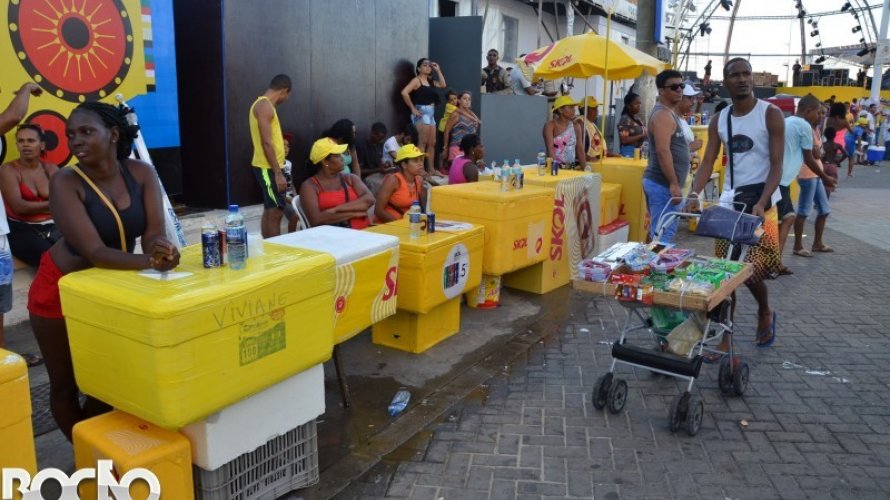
[[629, 173], [16, 434], [367, 269], [436, 267], [416, 333], [132, 443], [575, 217], [516, 222], [174, 350], [610, 203]]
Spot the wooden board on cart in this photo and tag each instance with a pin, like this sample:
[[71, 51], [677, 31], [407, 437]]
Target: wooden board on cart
[[685, 302]]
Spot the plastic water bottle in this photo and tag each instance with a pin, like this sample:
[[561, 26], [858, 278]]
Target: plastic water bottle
[[517, 175], [236, 239], [506, 176], [496, 169], [542, 163], [399, 402], [415, 224], [644, 151]]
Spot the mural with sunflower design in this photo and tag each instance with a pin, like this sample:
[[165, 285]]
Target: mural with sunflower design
[[83, 50]]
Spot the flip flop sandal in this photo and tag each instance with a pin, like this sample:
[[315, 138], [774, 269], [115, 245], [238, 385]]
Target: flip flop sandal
[[32, 359], [803, 253], [762, 340], [823, 249], [785, 271]]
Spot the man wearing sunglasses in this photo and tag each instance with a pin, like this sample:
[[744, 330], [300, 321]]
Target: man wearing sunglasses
[[668, 166]]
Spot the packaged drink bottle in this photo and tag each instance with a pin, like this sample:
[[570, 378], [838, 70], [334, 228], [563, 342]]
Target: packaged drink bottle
[[542, 163], [506, 176], [496, 169], [399, 402], [517, 175], [415, 222], [644, 151], [236, 239]]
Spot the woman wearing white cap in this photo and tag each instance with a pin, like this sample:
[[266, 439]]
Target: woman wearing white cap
[[562, 134]]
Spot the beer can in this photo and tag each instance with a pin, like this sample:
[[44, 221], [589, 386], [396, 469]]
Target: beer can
[[430, 222], [210, 250], [637, 153], [222, 247], [549, 165], [554, 168]]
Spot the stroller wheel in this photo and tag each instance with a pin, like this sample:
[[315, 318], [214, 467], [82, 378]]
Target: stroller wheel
[[724, 378], [617, 395], [740, 378], [694, 414], [601, 391], [677, 414]]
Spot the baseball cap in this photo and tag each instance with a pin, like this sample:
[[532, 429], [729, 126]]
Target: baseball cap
[[862, 120], [407, 152], [562, 101], [590, 101], [323, 148], [689, 90]]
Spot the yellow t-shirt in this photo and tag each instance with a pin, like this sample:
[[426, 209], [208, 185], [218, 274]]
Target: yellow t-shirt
[[259, 158], [449, 108]]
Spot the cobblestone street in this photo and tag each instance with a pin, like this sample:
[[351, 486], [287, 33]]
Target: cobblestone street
[[816, 413]]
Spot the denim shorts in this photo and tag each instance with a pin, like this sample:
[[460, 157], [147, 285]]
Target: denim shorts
[[812, 192], [658, 200], [426, 117]]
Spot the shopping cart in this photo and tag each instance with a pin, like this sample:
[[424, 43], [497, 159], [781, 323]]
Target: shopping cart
[[686, 409]]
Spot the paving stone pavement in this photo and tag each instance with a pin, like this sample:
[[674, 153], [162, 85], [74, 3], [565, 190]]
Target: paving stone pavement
[[817, 407]]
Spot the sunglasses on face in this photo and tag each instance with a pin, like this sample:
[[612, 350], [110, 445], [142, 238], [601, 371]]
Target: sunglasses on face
[[675, 87]]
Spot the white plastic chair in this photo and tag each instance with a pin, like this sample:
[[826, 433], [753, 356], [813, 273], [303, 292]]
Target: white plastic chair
[[304, 222]]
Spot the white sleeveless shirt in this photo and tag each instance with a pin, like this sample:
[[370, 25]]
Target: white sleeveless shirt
[[750, 144]]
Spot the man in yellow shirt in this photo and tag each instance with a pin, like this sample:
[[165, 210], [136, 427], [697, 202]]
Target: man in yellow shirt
[[268, 152], [596, 146]]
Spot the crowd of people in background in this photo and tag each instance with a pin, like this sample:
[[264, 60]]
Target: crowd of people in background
[[64, 220]]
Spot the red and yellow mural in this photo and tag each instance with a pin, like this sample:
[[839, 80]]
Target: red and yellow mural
[[76, 50]]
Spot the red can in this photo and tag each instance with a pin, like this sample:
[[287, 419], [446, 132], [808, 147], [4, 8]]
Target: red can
[[222, 247]]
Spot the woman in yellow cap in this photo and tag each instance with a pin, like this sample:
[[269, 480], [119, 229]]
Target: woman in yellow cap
[[562, 134], [331, 197], [401, 189], [593, 138]]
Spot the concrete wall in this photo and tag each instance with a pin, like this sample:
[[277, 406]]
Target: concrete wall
[[347, 58]]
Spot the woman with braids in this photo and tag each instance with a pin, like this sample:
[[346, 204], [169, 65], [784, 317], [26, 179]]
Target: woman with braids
[[631, 130], [101, 206]]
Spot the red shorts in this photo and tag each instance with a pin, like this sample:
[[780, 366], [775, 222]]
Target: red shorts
[[43, 296]]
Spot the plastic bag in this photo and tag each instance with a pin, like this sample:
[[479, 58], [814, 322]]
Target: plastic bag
[[683, 338]]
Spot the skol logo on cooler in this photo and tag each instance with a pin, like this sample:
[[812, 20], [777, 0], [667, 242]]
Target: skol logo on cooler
[[559, 228], [584, 223], [391, 283], [107, 485]]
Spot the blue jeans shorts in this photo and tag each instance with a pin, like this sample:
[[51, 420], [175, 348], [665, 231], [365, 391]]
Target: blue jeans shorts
[[657, 198], [426, 117], [812, 192]]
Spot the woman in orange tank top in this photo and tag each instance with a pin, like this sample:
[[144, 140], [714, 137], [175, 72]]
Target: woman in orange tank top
[[401, 189], [331, 197]]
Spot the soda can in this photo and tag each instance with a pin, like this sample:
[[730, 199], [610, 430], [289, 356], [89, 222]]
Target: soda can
[[210, 249], [554, 168], [430, 222], [222, 247]]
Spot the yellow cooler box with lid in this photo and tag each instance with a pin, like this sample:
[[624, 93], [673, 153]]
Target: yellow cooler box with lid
[[610, 203], [16, 434], [132, 443], [436, 267], [173, 348], [517, 223], [629, 173], [366, 273], [575, 216], [434, 270]]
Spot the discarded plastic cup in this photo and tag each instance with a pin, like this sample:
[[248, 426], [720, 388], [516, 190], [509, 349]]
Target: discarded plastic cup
[[399, 402]]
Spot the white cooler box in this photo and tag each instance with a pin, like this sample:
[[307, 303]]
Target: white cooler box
[[608, 235], [252, 422], [366, 273]]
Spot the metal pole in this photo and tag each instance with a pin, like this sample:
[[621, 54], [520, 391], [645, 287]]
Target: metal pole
[[677, 22], [606, 71], [540, 20], [583, 18], [474, 7], [735, 10], [570, 19], [880, 47], [803, 42]]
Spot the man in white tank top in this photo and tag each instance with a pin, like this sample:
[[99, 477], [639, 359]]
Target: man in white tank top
[[757, 145]]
